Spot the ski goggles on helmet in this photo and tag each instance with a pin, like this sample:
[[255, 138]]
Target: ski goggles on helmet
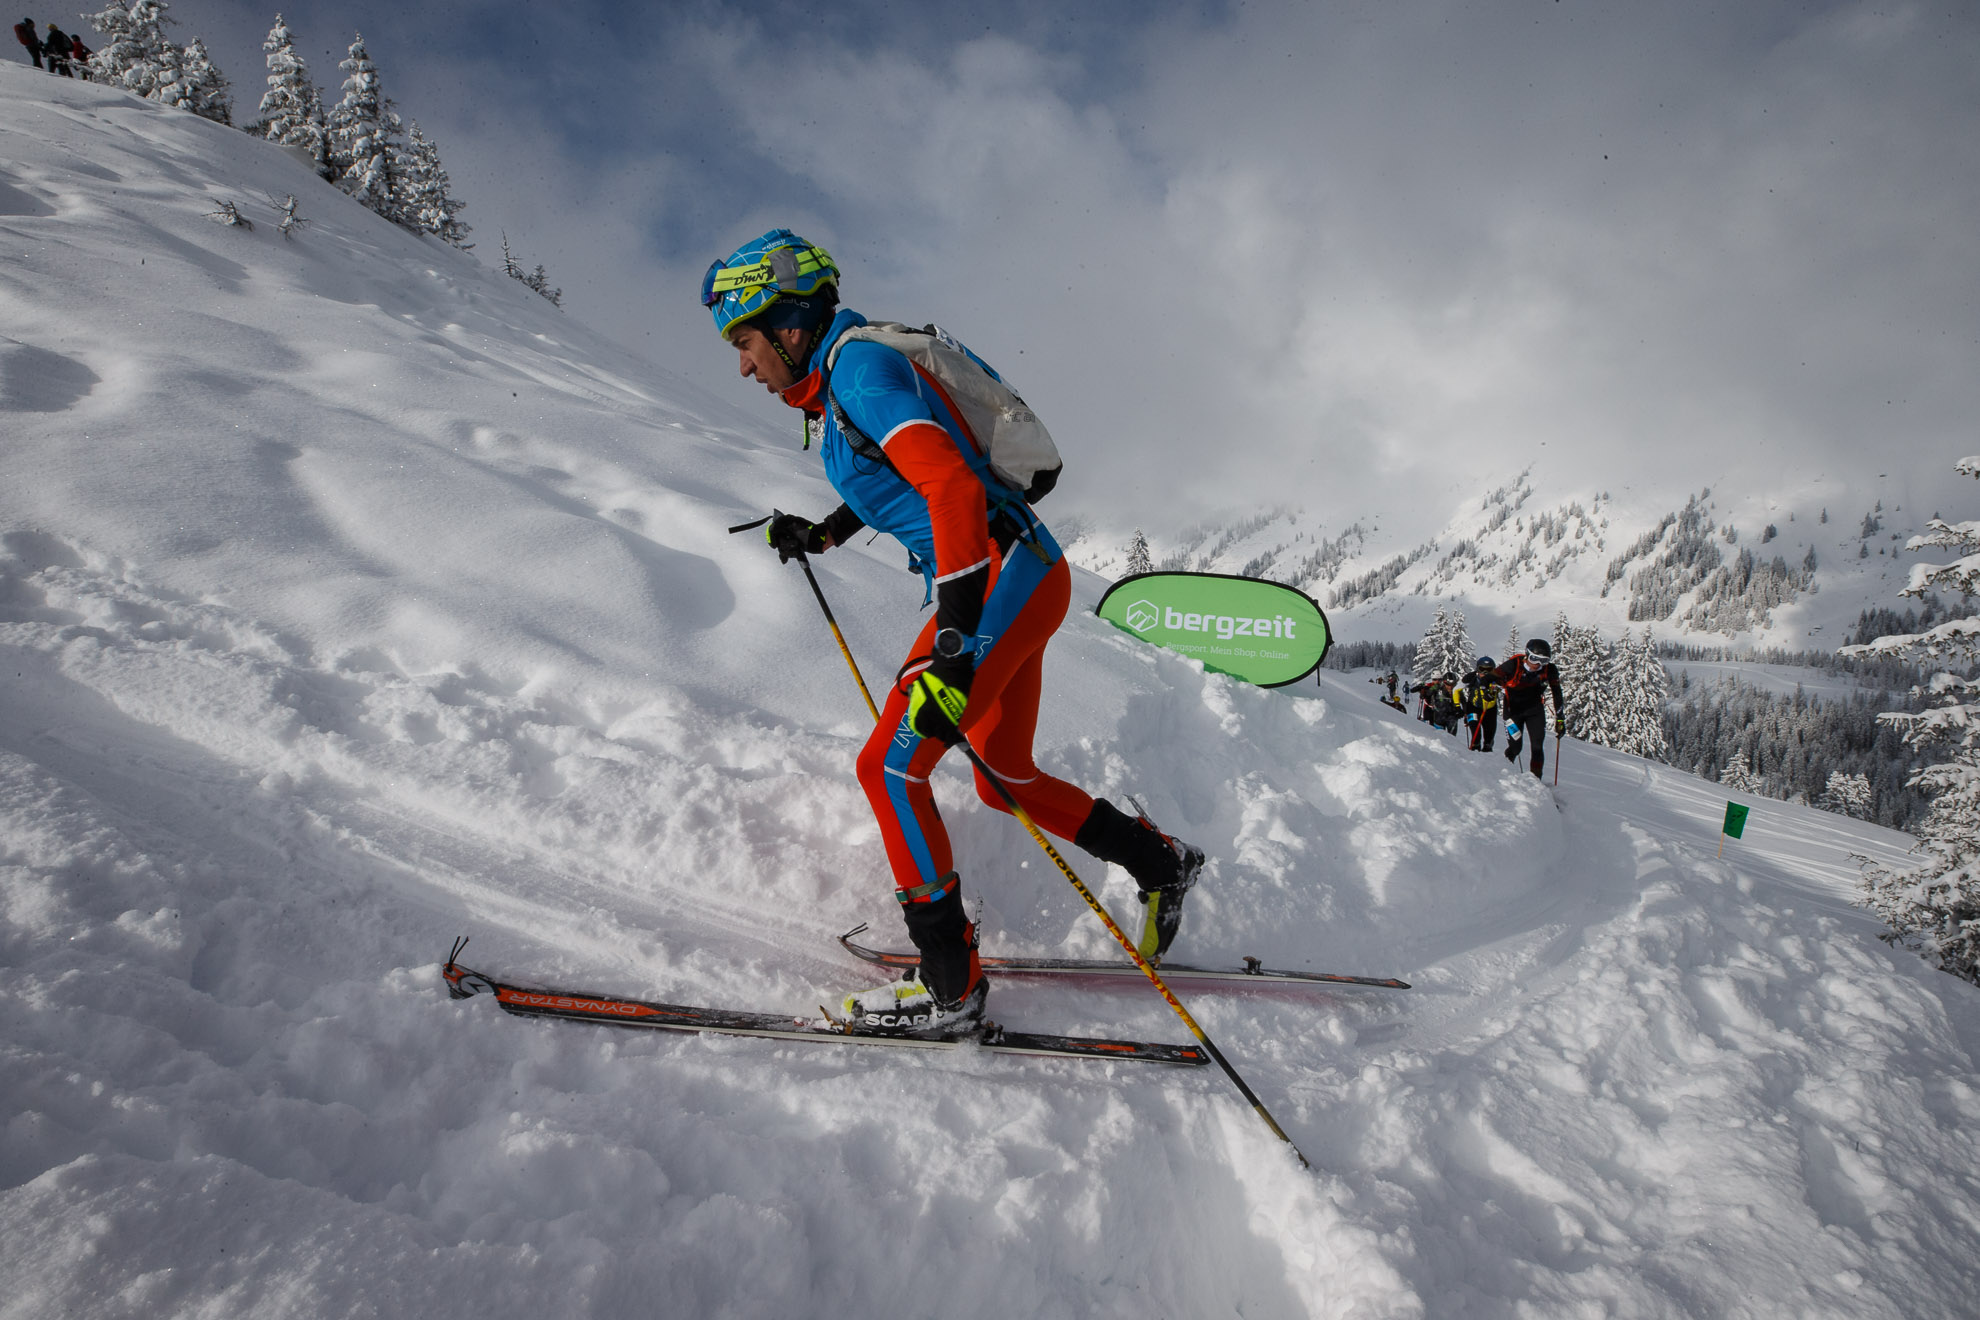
[[1538, 658], [758, 273]]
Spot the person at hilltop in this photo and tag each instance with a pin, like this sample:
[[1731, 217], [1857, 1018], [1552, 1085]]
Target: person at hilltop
[[57, 47], [25, 34], [1525, 680], [1421, 692], [1478, 698], [903, 461], [1443, 702]]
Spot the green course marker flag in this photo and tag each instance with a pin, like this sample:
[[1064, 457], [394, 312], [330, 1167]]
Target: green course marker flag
[[1735, 825], [1262, 632]]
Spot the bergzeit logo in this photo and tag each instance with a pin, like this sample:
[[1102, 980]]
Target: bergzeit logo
[[1226, 626], [1143, 615]]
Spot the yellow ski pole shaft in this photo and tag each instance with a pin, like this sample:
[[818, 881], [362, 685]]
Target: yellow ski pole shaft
[[839, 637], [830, 622], [1113, 928]]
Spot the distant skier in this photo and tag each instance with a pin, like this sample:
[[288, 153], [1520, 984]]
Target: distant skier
[[1443, 702], [24, 32], [1422, 694], [56, 47], [1525, 680], [1390, 680], [904, 463], [1478, 698]]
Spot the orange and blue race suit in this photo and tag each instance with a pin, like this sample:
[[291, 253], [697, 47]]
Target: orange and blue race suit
[[912, 469]]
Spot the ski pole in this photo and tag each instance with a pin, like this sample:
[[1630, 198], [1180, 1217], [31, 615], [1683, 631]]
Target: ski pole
[[1557, 760], [1202, 1037], [830, 622]]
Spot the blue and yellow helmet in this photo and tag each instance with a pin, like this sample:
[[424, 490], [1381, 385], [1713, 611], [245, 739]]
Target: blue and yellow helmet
[[776, 266]]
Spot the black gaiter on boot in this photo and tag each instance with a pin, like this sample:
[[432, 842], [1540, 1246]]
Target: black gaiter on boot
[[940, 930], [1114, 836]]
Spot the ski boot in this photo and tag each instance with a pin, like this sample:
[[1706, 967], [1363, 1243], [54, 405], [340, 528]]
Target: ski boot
[[945, 995], [1163, 867], [1161, 915], [907, 1007]]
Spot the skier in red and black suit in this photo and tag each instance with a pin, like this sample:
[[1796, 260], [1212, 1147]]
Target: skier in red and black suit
[[1525, 679], [25, 33]]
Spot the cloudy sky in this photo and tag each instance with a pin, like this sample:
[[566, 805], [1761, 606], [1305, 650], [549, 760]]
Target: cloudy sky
[[1366, 256]]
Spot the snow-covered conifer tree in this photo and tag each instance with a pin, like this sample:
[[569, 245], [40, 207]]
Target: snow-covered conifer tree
[[291, 110], [1430, 648], [1460, 654], [536, 280], [1445, 648], [1583, 663], [1137, 555], [1638, 685], [1849, 795], [136, 55], [204, 89], [364, 148], [1738, 776], [539, 282], [424, 205], [1934, 904]]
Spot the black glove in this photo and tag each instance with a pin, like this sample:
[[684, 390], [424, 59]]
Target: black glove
[[791, 536], [1560, 728]]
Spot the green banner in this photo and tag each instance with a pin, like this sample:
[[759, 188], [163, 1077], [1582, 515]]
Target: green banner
[[1735, 819], [1262, 632]]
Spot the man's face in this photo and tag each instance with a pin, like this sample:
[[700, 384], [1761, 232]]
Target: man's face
[[758, 359]]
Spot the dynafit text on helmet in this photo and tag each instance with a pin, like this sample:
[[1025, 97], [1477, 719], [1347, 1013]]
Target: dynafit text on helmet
[[923, 441]]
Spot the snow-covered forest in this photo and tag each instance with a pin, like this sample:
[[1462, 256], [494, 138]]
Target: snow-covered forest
[[358, 141]]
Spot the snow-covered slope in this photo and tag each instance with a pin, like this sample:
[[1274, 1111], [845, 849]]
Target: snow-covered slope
[[353, 599]]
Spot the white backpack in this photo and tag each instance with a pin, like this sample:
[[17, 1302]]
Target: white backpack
[[1016, 446]]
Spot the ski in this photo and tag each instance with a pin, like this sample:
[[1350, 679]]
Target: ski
[[1252, 973], [614, 1010]]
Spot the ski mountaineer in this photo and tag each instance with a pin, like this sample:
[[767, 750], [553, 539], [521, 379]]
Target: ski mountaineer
[[1478, 698], [1525, 680], [1422, 694], [1443, 702], [897, 451]]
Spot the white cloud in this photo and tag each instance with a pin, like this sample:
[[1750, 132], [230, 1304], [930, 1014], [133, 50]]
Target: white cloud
[[1355, 256]]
